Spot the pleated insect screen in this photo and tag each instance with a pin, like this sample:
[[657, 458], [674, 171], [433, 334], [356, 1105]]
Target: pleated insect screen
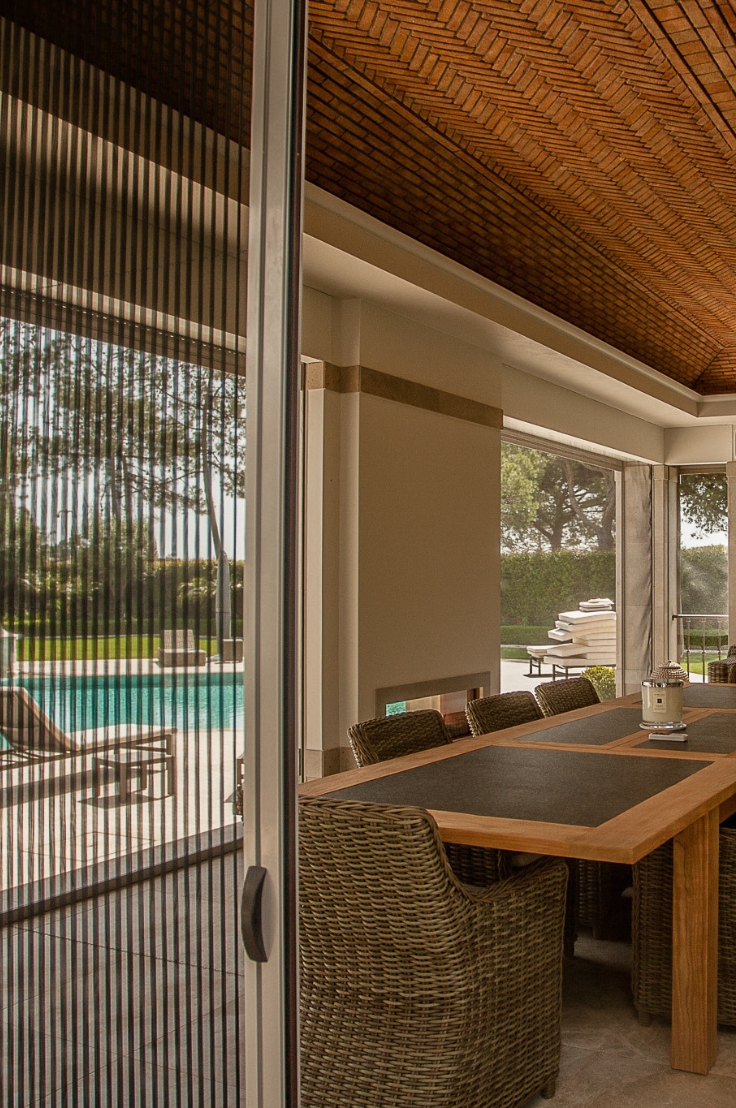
[[122, 434]]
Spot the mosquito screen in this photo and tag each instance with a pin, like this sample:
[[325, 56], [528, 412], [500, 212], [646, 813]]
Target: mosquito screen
[[122, 520]]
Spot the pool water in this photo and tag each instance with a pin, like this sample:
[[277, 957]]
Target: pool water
[[189, 701]]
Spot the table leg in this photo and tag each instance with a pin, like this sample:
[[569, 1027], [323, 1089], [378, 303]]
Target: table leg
[[695, 945]]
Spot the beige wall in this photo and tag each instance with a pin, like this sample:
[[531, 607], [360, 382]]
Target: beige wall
[[402, 559], [352, 332], [428, 560]]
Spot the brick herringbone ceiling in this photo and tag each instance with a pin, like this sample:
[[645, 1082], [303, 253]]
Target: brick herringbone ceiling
[[580, 152]]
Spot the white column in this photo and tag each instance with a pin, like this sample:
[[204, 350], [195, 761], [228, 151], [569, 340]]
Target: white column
[[731, 480], [634, 576], [665, 563], [326, 549]]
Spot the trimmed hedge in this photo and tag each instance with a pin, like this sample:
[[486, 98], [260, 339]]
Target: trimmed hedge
[[520, 634], [704, 580], [138, 601], [536, 587]]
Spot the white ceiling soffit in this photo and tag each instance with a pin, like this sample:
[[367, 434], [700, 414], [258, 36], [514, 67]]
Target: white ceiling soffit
[[528, 434], [349, 254]]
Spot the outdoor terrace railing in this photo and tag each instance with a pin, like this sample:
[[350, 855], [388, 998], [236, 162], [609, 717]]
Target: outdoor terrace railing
[[701, 636]]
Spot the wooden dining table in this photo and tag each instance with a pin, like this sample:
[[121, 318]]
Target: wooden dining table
[[590, 784]]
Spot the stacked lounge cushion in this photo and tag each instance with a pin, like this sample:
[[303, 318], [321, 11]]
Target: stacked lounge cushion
[[585, 637]]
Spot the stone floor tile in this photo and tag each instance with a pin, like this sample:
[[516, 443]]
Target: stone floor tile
[[135, 1084], [668, 1089], [206, 1049], [43, 1065]]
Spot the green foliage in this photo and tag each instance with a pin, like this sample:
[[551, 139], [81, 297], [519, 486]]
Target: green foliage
[[136, 428], [704, 579], [603, 680], [548, 502], [704, 502], [163, 594], [535, 587], [117, 444], [521, 635], [110, 647]]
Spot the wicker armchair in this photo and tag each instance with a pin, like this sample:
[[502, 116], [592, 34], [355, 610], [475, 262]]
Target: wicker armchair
[[378, 740], [494, 713], [564, 696], [414, 989], [651, 977], [723, 672]]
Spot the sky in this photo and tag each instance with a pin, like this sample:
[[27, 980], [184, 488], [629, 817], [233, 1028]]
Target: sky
[[688, 537]]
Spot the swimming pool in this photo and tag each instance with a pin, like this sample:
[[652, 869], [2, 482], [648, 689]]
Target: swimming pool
[[188, 701]]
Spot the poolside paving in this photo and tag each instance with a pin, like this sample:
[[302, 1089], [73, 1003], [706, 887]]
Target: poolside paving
[[51, 822]]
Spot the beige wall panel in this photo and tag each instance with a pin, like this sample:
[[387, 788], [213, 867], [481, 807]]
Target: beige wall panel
[[373, 336], [428, 573], [317, 310], [698, 445]]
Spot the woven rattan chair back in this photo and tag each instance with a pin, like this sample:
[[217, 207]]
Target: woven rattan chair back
[[564, 696], [377, 740], [494, 713], [414, 989]]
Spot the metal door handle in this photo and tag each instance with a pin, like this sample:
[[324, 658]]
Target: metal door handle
[[250, 914]]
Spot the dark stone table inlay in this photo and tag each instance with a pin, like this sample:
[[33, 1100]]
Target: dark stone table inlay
[[594, 730], [709, 696], [714, 734], [549, 786]]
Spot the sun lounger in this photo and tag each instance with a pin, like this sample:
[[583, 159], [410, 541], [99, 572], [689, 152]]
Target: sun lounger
[[28, 727], [179, 650]]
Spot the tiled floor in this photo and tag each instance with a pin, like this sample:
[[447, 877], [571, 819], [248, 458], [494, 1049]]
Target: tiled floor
[[132, 1000], [609, 1061]]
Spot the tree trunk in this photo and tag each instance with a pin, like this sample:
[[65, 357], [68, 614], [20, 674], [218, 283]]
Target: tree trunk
[[115, 492], [127, 486]]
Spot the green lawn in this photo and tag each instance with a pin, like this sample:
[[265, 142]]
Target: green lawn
[[514, 652], [96, 649], [696, 664]]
